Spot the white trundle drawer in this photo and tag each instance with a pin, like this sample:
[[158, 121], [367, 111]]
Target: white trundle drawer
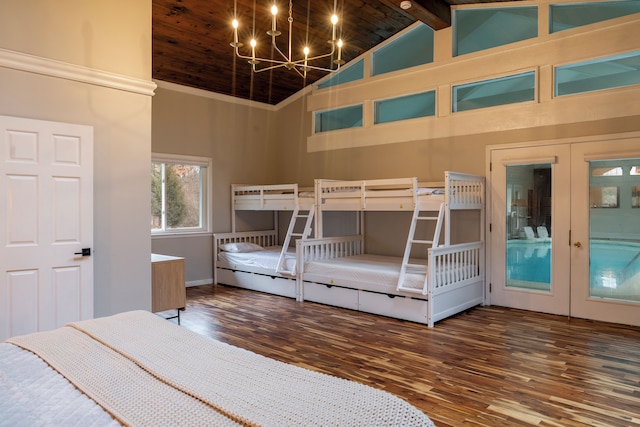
[[257, 282], [393, 306], [331, 295]]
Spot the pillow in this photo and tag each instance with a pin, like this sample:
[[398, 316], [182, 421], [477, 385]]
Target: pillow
[[241, 247]]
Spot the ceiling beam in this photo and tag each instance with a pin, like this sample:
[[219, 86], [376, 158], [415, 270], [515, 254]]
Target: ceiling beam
[[434, 13]]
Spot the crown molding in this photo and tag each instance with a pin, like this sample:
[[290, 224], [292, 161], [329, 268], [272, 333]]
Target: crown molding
[[231, 99], [64, 70], [212, 95]]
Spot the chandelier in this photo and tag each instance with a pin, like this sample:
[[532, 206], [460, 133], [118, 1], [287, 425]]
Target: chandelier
[[300, 65]]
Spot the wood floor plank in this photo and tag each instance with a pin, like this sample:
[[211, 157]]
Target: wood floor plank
[[489, 366]]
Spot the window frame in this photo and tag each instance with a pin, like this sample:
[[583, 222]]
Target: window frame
[[205, 193], [379, 55], [592, 61], [398, 99], [506, 76], [455, 24], [319, 113]]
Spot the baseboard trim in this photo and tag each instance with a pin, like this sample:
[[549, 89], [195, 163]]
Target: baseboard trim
[[199, 282]]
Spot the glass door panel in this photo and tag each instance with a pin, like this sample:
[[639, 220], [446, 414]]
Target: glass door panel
[[605, 219], [614, 230], [528, 224], [530, 228]]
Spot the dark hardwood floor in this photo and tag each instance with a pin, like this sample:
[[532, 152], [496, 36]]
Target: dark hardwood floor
[[489, 366]]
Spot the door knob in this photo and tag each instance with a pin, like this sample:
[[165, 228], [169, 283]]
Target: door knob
[[577, 244], [85, 252]]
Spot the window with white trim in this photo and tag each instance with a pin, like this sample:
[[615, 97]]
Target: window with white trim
[[180, 194]]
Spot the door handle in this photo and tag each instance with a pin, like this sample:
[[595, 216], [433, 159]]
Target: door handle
[[85, 252], [577, 244]]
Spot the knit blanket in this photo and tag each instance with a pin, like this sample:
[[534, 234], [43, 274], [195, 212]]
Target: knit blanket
[[144, 371]]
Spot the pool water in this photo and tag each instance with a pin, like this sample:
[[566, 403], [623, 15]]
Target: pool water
[[529, 261], [614, 267]]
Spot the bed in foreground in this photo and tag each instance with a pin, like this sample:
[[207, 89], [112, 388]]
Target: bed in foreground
[[138, 369]]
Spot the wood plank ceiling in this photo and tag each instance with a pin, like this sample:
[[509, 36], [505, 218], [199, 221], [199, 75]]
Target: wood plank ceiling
[[191, 39]]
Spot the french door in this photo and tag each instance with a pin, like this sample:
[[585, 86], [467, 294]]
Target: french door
[[565, 229]]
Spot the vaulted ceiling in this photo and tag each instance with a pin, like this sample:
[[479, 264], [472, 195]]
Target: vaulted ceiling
[[191, 39]]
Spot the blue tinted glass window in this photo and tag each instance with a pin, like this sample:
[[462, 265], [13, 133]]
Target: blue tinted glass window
[[405, 107], [605, 73], [572, 15], [412, 48], [479, 29], [490, 93], [348, 74], [340, 118]]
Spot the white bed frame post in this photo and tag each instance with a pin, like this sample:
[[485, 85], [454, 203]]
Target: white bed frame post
[[233, 211], [431, 279], [317, 192], [447, 210], [299, 271]]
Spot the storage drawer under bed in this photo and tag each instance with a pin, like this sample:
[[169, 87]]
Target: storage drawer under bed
[[331, 295], [276, 285], [396, 306]]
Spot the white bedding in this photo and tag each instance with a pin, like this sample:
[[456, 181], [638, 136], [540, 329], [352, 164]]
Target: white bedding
[[267, 258], [385, 200], [375, 273], [421, 191], [33, 394], [147, 371]]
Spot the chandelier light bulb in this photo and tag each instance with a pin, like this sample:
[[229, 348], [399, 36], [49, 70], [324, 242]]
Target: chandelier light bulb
[[235, 44], [339, 61], [334, 21], [274, 32]]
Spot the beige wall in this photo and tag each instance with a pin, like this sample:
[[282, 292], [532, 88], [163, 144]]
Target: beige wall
[[427, 159], [240, 141], [98, 35], [112, 36]]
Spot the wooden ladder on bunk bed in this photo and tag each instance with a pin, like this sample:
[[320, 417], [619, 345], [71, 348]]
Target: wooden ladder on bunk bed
[[408, 267], [295, 217]]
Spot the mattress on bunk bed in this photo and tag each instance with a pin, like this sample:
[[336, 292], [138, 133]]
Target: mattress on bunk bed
[[271, 197], [420, 191], [425, 191], [266, 258], [376, 273], [381, 199]]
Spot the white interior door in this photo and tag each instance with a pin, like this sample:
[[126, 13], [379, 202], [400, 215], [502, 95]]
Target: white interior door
[[605, 222], [530, 196], [46, 211]]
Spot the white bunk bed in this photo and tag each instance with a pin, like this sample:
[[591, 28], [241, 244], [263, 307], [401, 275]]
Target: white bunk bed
[[336, 270], [254, 259]]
